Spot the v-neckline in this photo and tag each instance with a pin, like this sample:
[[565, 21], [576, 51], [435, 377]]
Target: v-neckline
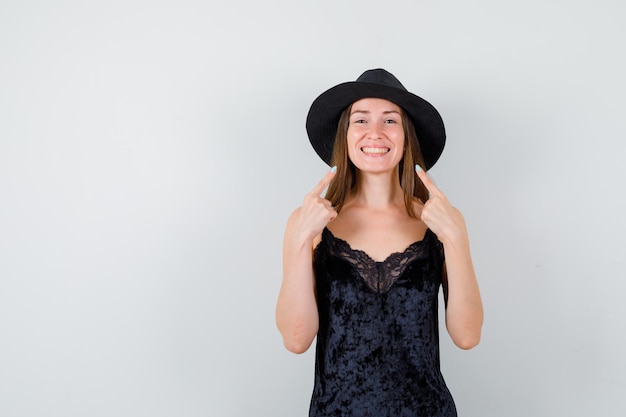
[[379, 276], [367, 256]]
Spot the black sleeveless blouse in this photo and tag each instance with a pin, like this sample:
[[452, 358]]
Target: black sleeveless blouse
[[377, 352]]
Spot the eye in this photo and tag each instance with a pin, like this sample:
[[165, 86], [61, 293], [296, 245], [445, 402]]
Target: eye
[[360, 121], [390, 121]]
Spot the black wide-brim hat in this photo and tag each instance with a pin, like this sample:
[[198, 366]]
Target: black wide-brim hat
[[324, 114]]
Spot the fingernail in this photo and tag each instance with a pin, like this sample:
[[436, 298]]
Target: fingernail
[[333, 169], [418, 168]]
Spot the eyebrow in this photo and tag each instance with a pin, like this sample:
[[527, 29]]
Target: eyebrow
[[367, 112]]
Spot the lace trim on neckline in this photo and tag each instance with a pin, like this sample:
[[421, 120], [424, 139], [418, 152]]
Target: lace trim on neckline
[[378, 275]]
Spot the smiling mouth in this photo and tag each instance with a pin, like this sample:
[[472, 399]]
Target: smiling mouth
[[374, 151]]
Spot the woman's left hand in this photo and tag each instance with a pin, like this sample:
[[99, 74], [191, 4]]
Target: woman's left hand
[[464, 310], [439, 215]]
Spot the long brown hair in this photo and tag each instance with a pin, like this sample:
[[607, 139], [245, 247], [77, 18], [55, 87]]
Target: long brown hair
[[345, 178]]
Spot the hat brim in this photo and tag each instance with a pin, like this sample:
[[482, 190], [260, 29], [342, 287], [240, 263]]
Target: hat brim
[[324, 114]]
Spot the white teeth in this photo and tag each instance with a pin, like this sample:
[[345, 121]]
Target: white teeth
[[375, 150]]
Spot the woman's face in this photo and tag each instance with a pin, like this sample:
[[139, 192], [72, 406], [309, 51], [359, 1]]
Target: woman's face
[[375, 135]]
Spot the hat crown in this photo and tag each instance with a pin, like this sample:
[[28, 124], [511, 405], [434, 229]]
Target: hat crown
[[382, 77]]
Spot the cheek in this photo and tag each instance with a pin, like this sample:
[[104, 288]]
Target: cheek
[[351, 134], [351, 151], [352, 147], [399, 140], [351, 139]]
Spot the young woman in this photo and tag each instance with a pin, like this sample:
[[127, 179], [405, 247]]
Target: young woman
[[363, 264]]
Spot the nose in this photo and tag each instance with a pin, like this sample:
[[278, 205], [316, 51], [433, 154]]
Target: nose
[[375, 130]]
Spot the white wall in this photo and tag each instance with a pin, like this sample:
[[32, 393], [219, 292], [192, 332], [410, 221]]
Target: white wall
[[151, 151]]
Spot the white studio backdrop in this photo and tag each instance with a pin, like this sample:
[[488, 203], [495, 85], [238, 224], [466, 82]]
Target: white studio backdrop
[[150, 153]]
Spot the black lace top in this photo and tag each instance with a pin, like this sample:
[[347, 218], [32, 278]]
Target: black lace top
[[377, 348]]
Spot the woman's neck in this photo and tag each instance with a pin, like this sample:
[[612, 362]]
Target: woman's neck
[[377, 190]]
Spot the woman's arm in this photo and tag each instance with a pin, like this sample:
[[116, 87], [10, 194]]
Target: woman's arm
[[296, 309], [464, 308]]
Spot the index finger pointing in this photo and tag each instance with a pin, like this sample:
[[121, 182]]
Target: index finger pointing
[[428, 183], [319, 188]]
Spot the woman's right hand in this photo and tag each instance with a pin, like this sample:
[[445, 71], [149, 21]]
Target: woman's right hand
[[296, 309], [316, 212]]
